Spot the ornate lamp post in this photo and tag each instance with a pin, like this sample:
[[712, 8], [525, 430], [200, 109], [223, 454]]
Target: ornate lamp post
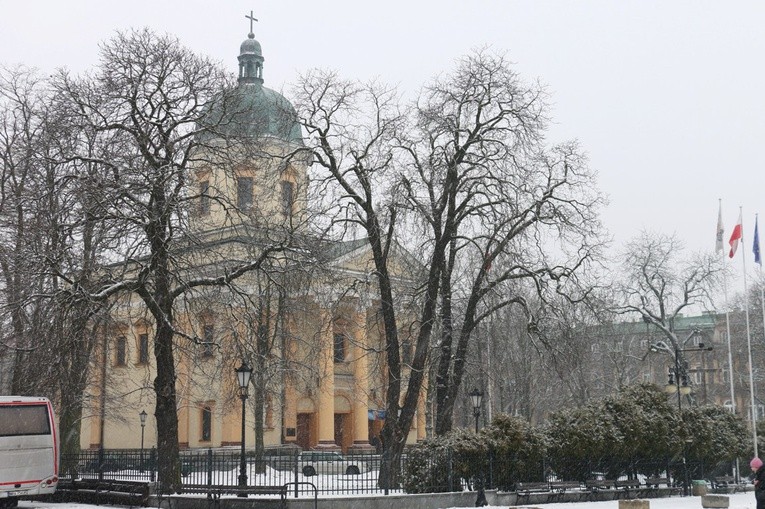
[[142, 416], [243, 374], [476, 398], [678, 383]]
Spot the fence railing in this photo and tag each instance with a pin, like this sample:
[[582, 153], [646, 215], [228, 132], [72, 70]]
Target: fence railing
[[333, 473]]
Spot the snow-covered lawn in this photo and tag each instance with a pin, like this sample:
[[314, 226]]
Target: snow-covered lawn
[[737, 501]]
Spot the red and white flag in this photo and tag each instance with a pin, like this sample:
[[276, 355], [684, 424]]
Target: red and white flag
[[735, 237]]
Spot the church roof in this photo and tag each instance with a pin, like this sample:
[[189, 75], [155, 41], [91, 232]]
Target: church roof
[[251, 110]]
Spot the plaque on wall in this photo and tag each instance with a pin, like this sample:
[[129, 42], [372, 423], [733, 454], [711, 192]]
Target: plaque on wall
[[290, 432]]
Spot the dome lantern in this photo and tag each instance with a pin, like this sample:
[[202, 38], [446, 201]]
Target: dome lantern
[[250, 58]]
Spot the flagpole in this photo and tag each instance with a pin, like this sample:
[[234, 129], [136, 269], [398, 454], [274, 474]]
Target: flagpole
[[758, 259], [748, 338], [719, 248]]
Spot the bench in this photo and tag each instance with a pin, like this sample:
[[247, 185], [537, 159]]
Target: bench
[[626, 484], [214, 491], [598, 484], [130, 493], [529, 487], [562, 486], [723, 482], [655, 482]]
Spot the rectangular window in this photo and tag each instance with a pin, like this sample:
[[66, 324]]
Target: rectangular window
[[244, 193], [288, 198], [204, 197], [339, 347], [207, 346], [143, 349], [120, 355], [20, 420], [206, 435]]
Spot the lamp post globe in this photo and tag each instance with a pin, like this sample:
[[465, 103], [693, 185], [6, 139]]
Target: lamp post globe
[[476, 398]]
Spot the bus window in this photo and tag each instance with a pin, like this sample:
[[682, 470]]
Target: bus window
[[24, 420]]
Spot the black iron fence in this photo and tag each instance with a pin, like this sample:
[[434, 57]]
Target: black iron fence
[[334, 473]]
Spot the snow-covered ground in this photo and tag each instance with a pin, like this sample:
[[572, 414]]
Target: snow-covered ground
[[737, 501]]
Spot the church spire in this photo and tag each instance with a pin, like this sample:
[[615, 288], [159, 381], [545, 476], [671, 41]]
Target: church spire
[[251, 57]]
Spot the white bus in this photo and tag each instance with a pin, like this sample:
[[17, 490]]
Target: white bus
[[29, 449]]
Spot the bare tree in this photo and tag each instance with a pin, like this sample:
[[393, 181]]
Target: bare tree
[[167, 111], [54, 231], [512, 217], [468, 170], [658, 283], [351, 131], [22, 139]]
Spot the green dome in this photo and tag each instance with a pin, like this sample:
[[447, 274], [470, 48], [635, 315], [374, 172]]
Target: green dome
[[253, 111], [250, 46]]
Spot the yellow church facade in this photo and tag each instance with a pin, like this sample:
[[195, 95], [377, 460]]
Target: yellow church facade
[[310, 331]]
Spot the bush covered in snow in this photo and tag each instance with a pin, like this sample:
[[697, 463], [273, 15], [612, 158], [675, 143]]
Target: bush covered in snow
[[639, 431]]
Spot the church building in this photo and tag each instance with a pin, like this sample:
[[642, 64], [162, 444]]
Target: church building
[[308, 326]]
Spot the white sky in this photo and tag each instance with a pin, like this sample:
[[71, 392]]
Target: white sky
[[667, 98]]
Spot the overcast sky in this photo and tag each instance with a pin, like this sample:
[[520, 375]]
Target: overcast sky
[[666, 97]]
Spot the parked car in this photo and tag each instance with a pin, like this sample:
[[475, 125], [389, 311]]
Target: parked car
[[329, 463]]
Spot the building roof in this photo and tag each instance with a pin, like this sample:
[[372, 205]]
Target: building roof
[[251, 110]]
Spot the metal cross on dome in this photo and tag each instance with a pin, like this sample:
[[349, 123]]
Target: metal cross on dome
[[252, 18]]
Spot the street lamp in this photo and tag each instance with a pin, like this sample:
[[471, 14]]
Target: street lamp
[[678, 383], [142, 416], [476, 398], [243, 374]]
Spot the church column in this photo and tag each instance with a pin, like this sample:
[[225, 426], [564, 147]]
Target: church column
[[361, 384], [326, 409], [421, 428]]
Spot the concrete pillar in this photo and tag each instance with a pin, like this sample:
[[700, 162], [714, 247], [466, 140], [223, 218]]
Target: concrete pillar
[[361, 383], [715, 501], [634, 504], [421, 430], [326, 363]]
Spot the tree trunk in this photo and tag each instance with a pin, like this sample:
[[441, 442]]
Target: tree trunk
[[166, 411], [260, 396], [392, 448], [444, 404], [77, 328], [69, 417]]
